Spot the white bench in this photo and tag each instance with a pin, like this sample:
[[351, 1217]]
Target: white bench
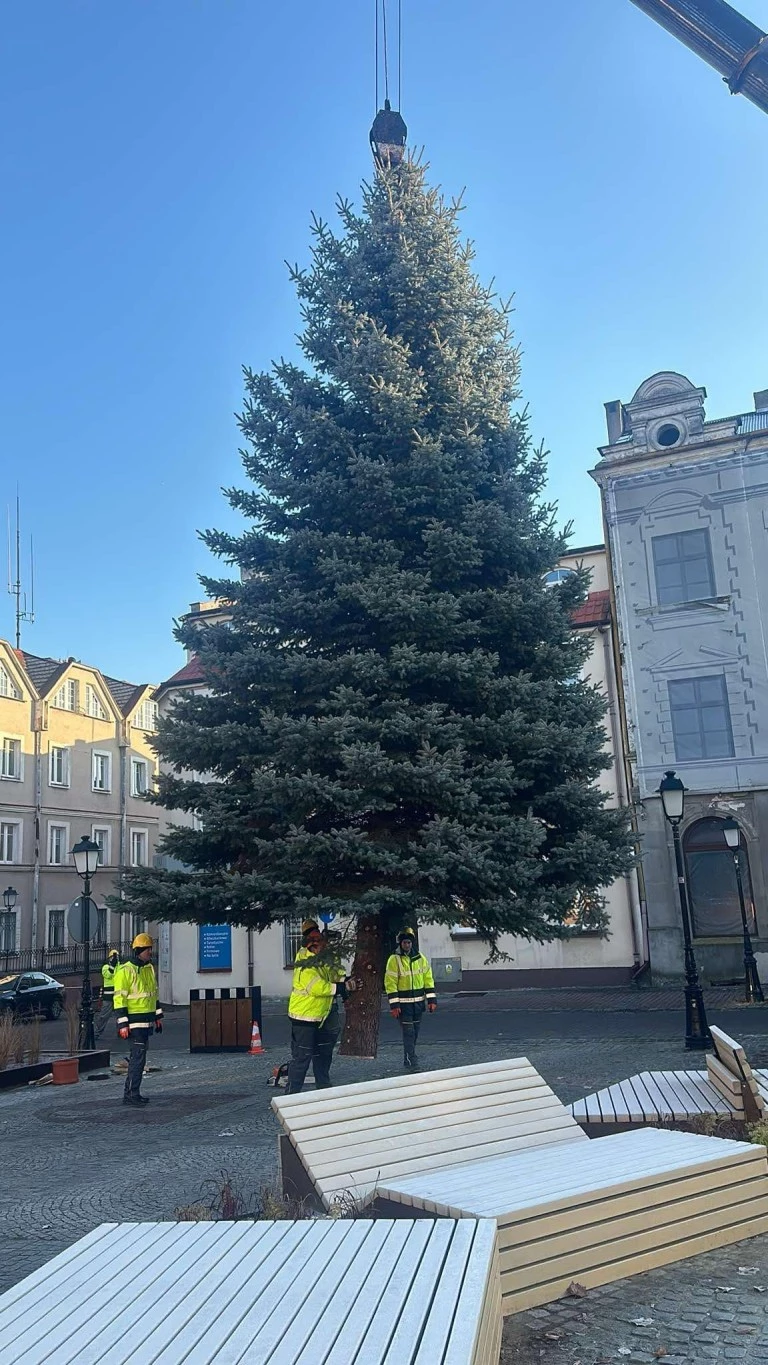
[[496, 1142], [600, 1211], [327, 1292], [352, 1138], [728, 1089]]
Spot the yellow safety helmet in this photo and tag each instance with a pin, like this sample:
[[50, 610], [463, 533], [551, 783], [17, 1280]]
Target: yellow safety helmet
[[142, 941], [406, 933], [309, 926]]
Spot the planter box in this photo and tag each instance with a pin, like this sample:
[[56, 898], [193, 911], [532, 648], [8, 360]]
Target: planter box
[[22, 1075]]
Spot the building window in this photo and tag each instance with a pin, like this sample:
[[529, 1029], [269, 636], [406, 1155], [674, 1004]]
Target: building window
[[145, 716], [291, 940], [68, 696], [57, 928], [102, 772], [138, 848], [701, 721], [93, 704], [58, 770], [102, 835], [8, 687], [138, 925], [683, 567], [556, 576], [101, 925], [712, 886], [139, 777], [8, 923], [58, 845], [10, 841], [11, 759]]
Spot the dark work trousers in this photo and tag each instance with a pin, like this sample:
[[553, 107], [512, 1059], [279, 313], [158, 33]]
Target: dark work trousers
[[410, 1029], [106, 1012], [137, 1060], [312, 1043]]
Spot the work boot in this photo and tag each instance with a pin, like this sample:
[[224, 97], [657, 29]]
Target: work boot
[[138, 1101]]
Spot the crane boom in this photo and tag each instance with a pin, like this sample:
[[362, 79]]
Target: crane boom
[[733, 45]]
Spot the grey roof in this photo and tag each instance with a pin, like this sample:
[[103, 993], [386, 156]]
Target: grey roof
[[40, 671], [44, 672], [123, 692], [753, 421]]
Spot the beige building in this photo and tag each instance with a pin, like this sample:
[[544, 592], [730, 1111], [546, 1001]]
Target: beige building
[[585, 958], [75, 759]]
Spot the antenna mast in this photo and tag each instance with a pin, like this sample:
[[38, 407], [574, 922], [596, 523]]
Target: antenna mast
[[21, 611]]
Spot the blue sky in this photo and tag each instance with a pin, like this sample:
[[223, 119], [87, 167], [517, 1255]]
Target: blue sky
[[160, 161]]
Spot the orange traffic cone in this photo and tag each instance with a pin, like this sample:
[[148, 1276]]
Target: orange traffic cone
[[255, 1050]]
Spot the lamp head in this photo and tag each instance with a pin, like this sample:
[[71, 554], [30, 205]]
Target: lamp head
[[85, 855], [732, 833], [672, 793]]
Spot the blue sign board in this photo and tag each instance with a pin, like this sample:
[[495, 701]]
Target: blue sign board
[[327, 916], [214, 948]]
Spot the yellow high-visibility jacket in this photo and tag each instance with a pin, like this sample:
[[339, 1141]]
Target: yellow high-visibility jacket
[[108, 980], [315, 982], [135, 998], [409, 984]]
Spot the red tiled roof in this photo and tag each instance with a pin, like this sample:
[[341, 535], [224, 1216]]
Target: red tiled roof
[[596, 611], [192, 672]]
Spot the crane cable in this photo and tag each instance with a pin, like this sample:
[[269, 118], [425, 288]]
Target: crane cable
[[385, 49]]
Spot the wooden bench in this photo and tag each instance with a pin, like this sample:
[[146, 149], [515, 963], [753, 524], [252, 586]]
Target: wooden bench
[[598, 1211], [351, 1139], [728, 1089], [326, 1292]]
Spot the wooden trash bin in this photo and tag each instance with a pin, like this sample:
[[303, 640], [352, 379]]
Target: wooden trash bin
[[220, 1020]]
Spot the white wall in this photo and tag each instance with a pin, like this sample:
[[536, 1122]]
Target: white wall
[[179, 963]]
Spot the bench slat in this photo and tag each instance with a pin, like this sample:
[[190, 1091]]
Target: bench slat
[[386, 1292]]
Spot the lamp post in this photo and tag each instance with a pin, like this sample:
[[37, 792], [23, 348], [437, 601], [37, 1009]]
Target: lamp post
[[86, 859], [10, 897], [752, 988], [697, 1035]]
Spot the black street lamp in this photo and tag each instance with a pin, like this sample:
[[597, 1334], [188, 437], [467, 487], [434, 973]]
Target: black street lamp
[[697, 1034], [752, 988], [10, 897], [86, 859]]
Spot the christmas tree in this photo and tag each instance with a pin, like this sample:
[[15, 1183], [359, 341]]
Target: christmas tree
[[395, 729]]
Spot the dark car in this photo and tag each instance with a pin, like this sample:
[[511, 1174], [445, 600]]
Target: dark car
[[32, 993]]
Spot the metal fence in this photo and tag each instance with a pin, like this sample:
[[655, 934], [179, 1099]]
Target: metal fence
[[58, 961]]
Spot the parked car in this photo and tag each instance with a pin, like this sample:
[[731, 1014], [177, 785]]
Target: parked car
[[32, 993]]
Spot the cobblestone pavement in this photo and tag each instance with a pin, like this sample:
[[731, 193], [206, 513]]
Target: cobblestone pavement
[[73, 1157]]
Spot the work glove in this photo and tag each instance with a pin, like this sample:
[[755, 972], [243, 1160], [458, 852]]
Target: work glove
[[351, 983], [395, 1012], [432, 1006], [124, 1031], [158, 1026]]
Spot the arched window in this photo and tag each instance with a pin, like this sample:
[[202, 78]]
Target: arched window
[[712, 884], [556, 576]]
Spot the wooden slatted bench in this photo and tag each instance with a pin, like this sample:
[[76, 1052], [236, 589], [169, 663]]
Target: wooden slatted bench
[[600, 1211], [344, 1142], [323, 1292], [728, 1089]]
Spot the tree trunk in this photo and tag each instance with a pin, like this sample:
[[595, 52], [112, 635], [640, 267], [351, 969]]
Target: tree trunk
[[360, 1037]]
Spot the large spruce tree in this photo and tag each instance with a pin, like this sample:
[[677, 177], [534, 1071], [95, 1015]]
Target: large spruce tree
[[395, 728]]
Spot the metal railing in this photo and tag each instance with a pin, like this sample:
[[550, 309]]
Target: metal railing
[[58, 961]]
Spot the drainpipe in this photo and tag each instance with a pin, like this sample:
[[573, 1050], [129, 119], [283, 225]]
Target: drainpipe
[[617, 678], [124, 751], [639, 952], [38, 826]]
